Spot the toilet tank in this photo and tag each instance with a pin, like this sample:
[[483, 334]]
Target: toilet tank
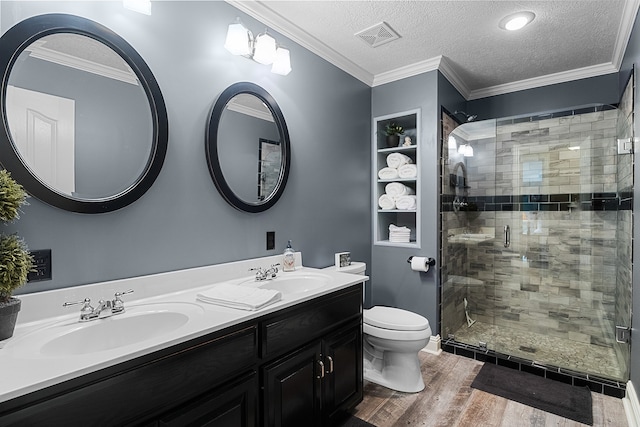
[[353, 268]]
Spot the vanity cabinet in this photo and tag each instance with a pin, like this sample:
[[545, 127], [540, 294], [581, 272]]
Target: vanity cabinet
[[382, 218], [300, 363], [323, 376], [312, 385]]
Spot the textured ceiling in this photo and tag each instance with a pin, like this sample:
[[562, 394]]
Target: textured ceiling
[[567, 39]]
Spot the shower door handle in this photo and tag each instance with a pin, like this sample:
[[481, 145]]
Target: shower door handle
[[507, 236]]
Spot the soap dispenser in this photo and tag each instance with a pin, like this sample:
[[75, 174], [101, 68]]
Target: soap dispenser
[[289, 261]]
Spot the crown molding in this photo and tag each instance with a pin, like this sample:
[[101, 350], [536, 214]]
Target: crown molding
[[549, 79], [624, 31], [37, 50], [262, 13], [456, 81], [233, 105], [407, 71]]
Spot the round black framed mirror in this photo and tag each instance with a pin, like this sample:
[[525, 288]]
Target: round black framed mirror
[[247, 147], [85, 123]]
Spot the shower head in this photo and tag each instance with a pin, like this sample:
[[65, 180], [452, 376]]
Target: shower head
[[469, 117]]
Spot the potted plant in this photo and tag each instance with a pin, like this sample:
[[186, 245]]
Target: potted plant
[[15, 259], [393, 132]]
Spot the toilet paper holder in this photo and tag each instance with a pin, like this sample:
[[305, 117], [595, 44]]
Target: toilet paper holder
[[430, 261]]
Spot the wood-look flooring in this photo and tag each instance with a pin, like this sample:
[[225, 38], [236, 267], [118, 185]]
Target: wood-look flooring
[[449, 401]]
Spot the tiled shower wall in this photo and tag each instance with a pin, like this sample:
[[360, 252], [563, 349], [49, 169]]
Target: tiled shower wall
[[562, 204]]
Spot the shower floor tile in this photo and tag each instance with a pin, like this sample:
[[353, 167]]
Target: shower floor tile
[[544, 350]]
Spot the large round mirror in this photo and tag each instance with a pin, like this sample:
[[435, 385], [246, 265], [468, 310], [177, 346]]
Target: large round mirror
[[85, 123], [247, 145]]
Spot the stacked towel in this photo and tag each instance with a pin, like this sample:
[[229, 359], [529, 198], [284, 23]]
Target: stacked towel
[[386, 202], [406, 203], [397, 189], [408, 171], [399, 234], [240, 297], [388, 173], [395, 160]]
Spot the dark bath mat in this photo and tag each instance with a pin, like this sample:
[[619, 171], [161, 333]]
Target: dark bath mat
[[541, 393], [352, 421]]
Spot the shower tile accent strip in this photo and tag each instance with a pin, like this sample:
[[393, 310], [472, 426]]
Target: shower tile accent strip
[[545, 202], [595, 384]]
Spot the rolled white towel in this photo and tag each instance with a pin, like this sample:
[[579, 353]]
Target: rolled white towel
[[388, 173], [386, 202], [395, 160], [406, 203], [408, 171], [397, 189]]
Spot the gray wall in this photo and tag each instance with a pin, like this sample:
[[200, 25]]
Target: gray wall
[[631, 60], [182, 221], [557, 97]]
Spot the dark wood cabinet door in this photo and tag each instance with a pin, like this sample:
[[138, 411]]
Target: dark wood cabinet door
[[343, 377], [292, 389], [232, 405]]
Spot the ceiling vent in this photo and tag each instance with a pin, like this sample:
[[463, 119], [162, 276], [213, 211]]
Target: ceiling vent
[[378, 34]]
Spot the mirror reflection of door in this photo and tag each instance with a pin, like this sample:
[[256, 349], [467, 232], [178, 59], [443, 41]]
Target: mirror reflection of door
[[43, 131], [270, 156]]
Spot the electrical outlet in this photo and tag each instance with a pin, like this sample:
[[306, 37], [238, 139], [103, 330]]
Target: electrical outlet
[[271, 240], [41, 265]]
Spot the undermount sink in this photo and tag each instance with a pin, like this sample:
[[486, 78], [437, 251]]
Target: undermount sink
[[291, 283], [135, 325]]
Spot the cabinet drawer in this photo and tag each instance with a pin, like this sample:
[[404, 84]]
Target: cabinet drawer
[[147, 389], [303, 324]]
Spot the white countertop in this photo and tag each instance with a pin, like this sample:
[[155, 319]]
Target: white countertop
[[26, 370]]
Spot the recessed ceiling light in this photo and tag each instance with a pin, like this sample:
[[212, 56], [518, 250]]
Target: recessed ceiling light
[[516, 21]]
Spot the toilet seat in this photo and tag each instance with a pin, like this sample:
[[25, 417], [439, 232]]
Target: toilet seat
[[394, 319], [394, 335]]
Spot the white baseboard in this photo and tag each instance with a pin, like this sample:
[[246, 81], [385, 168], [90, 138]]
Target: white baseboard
[[632, 406], [433, 346]]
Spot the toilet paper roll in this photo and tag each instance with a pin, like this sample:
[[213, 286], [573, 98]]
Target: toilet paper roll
[[420, 263]]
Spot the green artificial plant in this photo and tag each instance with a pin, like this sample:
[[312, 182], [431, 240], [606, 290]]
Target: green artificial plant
[[15, 259], [15, 264], [393, 129]]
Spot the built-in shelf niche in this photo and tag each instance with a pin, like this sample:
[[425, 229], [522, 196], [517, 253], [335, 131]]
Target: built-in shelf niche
[[382, 218]]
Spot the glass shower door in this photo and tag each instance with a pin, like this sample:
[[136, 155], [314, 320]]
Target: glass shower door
[[468, 232], [536, 238]]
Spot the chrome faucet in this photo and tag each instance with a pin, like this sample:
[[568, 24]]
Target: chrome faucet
[[88, 313], [264, 274]]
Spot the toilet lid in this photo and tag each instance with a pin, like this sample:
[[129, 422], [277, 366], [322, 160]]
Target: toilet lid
[[394, 318]]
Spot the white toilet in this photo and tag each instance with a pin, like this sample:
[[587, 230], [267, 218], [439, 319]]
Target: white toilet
[[392, 340]]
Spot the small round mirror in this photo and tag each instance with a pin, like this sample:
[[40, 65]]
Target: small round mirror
[[86, 125], [247, 147]]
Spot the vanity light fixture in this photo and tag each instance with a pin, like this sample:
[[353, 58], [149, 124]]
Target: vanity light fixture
[[263, 49], [452, 143], [140, 6], [516, 21], [466, 150]]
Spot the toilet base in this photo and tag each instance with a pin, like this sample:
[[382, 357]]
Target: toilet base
[[400, 372]]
